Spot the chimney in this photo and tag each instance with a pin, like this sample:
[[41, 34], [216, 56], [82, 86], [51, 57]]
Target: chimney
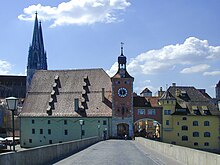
[[173, 84], [76, 104], [103, 94]]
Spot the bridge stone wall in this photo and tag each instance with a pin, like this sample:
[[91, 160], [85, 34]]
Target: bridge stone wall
[[183, 154], [46, 154]]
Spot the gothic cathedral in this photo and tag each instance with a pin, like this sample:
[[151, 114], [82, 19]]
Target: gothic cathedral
[[122, 100], [37, 59]]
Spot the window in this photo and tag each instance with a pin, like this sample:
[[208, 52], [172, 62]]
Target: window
[[117, 82], [98, 121], [195, 134], [50, 141], [178, 123], [141, 111], [167, 122], [83, 132], [184, 138], [178, 134], [48, 122], [206, 144], [167, 112], [65, 122], [65, 132], [41, 131], [151, 112], [30, 140], [104, 122], [196, 144], [32, 121], [127, 82], [49, 131], [184, 118], [206, 123], [33, 131], [195, 123], [185, 128], [207, 134]]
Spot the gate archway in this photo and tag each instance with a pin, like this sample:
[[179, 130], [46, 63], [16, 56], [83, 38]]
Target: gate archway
[[122, 130]]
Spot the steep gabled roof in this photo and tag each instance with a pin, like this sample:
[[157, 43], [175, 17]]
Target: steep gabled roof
[[65, 86]]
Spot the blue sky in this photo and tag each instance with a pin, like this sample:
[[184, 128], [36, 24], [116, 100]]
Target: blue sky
[[165, 41]]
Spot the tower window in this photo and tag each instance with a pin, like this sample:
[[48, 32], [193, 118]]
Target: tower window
[[117, 82]]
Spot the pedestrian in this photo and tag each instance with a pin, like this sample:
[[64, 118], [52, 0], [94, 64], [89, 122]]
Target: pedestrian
[[125, 136]]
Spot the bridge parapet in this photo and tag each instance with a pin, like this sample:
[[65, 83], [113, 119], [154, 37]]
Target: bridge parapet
[[45, 154], [183, 154]]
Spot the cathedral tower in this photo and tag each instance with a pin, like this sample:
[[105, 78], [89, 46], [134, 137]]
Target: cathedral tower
[[122, 100], [37, 59]]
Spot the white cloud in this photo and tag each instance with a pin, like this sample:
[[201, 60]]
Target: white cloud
[[77, 12], [172, 57], [195, 69], [5, 67], [213, 73]]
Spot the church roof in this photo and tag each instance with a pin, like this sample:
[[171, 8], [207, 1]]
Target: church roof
[[55, 91]]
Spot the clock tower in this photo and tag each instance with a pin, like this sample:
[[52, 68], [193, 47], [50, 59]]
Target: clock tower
[[122, 100]]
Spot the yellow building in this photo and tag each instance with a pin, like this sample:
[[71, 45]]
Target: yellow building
[[190, 119]]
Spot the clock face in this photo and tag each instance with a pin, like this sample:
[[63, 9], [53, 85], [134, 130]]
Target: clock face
[[122, 92]]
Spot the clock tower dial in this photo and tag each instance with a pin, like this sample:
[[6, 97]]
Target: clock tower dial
[[122, 92]]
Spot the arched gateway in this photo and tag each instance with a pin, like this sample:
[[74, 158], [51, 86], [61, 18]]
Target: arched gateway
[[122, 129]]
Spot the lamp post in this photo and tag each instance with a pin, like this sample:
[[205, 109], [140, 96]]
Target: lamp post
[[12, 103], [98, 130], [81, 124]]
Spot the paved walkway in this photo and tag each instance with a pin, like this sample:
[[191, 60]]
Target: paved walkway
[[118, 152]]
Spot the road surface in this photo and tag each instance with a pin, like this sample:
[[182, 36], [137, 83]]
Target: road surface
[[117, 152]]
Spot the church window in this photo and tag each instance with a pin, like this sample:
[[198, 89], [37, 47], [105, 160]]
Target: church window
[[141, 111]]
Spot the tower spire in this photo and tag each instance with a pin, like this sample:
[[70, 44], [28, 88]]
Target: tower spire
[[37, 59]]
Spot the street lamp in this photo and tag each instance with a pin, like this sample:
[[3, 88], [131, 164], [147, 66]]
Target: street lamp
[[12, 103], [98, 130], [81, 124]]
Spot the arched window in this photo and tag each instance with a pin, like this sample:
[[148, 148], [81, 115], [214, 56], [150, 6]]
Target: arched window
[[207, 134], [195, 123], [196, 144], [184, 128], [195, 134], [206, 123], [184, 138], [184, 118]]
